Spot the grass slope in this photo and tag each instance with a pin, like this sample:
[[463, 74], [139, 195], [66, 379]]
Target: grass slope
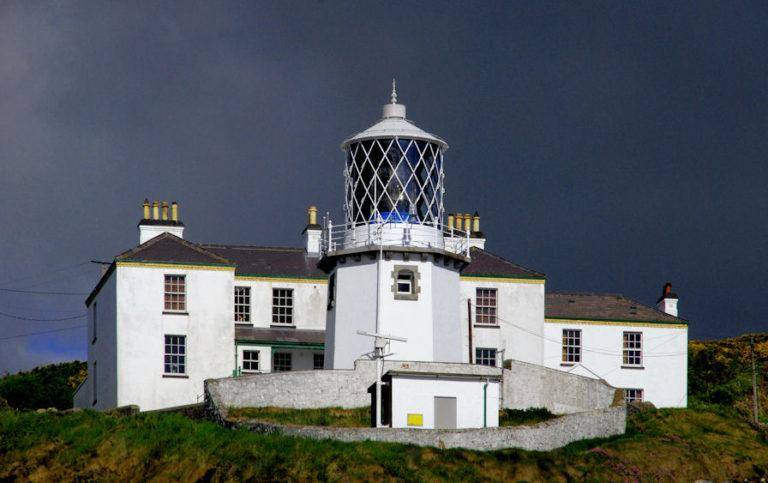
[[669, 444]]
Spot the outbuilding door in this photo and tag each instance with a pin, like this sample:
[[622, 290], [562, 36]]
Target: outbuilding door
[[445, 412]]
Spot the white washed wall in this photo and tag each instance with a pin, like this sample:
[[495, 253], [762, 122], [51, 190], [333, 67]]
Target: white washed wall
[[417, 394], [309, 301], [520, 308], [664, 376], [142, 325]]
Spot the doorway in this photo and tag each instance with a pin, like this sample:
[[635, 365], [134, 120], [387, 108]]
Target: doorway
[[445, 412]]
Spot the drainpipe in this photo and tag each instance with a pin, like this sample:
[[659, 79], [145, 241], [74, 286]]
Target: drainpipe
[[485, 404], [469, 320], [235, 371]]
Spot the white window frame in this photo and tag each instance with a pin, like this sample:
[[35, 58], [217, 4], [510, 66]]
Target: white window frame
[[487, 313], [572, 347], [282, 306], [486, 356], [275, 361], [175, 293], [632, 394], [242, 305], [181, 355], [249, 360], [632, 349]]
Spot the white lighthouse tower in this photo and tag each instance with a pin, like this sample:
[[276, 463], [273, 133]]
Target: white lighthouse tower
[[394, 267]]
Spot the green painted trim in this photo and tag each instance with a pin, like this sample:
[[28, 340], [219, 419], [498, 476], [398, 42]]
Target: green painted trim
[[477, 275], [281, 344], [264, 275], [169, 262], [629, 321]]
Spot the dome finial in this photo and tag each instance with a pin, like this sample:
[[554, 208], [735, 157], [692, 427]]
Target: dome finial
[[394, 91]]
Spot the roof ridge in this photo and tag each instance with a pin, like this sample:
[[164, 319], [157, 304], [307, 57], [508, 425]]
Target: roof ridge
[[587, 294], [499, 257], [251, 247], [176, 239]]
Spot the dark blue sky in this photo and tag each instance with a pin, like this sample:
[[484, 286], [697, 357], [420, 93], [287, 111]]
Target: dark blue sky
[[612, 145]]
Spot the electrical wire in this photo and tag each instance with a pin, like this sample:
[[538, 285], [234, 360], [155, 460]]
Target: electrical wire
[[56, 270], [31, 334], [38, 292], [33, 319]]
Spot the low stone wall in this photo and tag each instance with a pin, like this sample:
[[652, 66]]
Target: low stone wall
[[545, 436], [529, 385]]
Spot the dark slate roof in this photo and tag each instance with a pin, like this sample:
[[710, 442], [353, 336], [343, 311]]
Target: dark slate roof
[[485, 264], [269, 261], [169, 248], [284, 336], [609, 307]]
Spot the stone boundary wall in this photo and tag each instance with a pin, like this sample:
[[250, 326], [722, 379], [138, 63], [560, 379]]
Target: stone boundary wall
[[524, 386], [544, 436], [530, 385]]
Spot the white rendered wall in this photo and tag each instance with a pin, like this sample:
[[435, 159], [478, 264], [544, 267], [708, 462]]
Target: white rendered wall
[[664, 376], [416, 395], [429, 320], [309, 301], [102, 350], [209, 329], [520, 310]]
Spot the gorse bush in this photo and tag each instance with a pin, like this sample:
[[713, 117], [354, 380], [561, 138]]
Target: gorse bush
[[50, 386]]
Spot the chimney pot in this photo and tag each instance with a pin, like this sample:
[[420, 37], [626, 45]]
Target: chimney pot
[[165, 211], [175, 211], [155, 211], [476, 223], [312, 215], [146, 209], [450, 220]]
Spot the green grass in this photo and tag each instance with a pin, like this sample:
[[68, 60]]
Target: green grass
[[336, 417], [515, 417], [666, 444]]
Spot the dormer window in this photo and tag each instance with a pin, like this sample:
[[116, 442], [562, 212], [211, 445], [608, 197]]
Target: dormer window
[[405, 282]]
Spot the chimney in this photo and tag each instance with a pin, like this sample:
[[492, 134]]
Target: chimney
[[159, 224], [450, 221], [312, 233], [667, 303], [476, 237]]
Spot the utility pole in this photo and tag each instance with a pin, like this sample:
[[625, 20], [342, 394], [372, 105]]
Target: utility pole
[[380, 343], [754, 379]]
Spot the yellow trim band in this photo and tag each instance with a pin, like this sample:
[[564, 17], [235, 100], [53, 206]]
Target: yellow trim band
[[319, 281], [614, 323], [502, 280], [178, 266]]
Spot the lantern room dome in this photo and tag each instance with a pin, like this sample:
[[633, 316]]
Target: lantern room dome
[[393, 123]]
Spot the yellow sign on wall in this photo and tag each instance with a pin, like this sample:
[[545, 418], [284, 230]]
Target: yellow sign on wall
[[415, 419]]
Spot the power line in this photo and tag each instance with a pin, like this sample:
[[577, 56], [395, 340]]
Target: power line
[[31, 334], [32, 319], [37, 292], [56, 270]]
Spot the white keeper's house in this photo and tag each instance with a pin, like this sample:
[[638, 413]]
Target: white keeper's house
[[171, 313]]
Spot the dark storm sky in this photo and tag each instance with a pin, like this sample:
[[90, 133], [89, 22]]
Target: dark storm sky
[[613, 146]]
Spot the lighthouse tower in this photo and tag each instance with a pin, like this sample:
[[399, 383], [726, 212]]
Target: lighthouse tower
[[394, 267]]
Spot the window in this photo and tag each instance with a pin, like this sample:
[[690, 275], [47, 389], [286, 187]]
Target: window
[[571, 346], [281, 361], [633, 395], [94, 380], [250, 361], [485, 306], [318, 360], [95, 313], [633, 349], [485, 357], [282, 306], [405, 282], [175, 354], [242, 304], [175, 293]]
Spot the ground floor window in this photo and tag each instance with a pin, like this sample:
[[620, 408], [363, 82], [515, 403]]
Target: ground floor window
[[318, 360], [175, 354], [281, 361], [633, 395], [250, 361], [485, 356]]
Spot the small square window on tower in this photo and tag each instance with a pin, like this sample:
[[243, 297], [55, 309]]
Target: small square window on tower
[[405, 282]]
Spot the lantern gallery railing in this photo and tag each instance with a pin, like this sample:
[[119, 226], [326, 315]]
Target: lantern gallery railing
[[393, 232]]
